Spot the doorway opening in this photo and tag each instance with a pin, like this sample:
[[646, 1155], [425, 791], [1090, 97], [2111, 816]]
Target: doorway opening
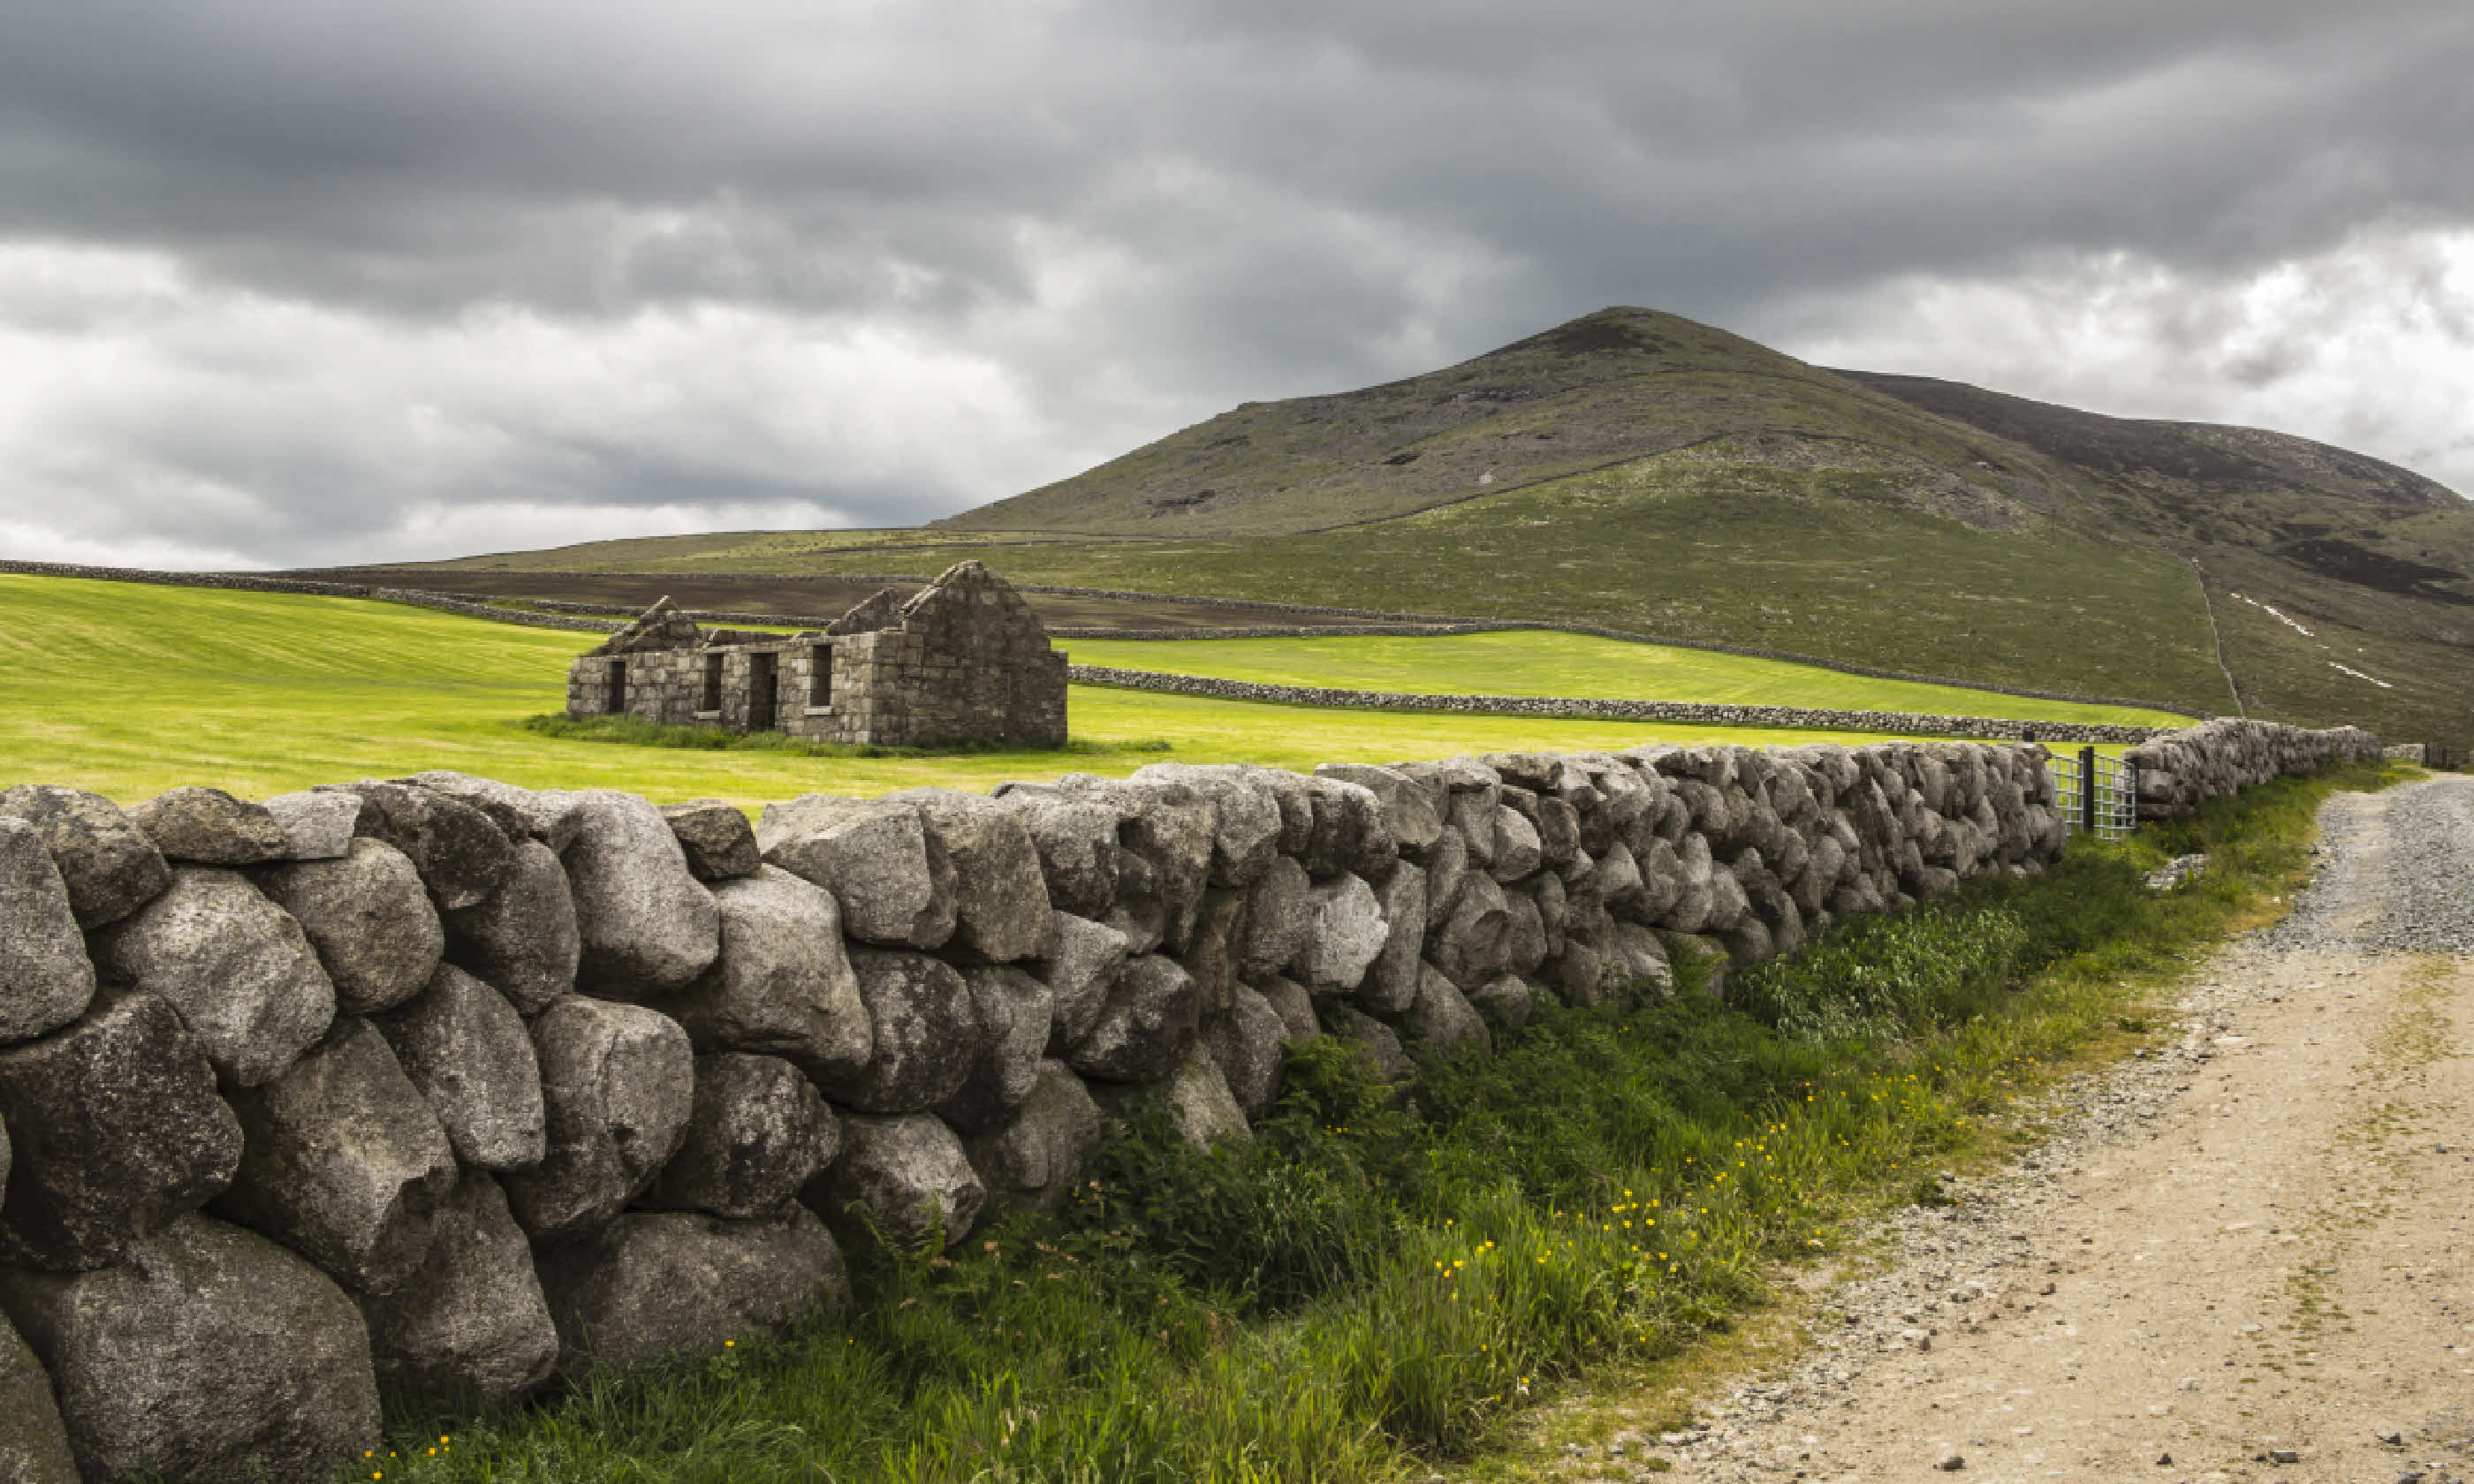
[[763, 681]]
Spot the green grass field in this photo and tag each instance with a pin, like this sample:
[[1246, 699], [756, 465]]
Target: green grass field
[[129, 690], [1523, 663]]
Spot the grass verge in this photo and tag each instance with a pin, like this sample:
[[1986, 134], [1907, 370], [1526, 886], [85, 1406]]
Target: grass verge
[[1387, 1279]]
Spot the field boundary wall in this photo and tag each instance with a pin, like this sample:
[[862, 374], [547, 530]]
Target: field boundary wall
[[1585, 708], [465, 1090], [250, 582]]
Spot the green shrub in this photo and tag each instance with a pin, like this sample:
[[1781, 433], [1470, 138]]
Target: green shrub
[[1891, 976]]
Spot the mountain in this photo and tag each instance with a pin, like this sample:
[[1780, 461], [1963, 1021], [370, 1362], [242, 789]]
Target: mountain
[[1635, 469], [2197, 485], [2325, 558], [1603, 390]]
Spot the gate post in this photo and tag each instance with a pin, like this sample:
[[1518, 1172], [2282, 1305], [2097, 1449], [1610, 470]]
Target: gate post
[[2087, 790]]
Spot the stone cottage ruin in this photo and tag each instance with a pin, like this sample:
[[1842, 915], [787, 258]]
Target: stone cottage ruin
[[964, 662]]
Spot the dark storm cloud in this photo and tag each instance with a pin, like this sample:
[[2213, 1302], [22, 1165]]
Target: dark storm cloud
[[427, 153], [467, 233]]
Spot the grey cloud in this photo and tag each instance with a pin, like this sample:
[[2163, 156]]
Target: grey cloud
[[1130, 215], [449, 152]]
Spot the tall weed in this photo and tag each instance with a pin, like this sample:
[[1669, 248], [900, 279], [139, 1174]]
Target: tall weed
[[1888, 977]]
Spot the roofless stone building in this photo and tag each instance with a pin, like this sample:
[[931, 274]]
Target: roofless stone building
[[963, 663]]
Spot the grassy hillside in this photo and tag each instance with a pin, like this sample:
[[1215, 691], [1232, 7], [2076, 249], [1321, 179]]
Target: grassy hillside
[[1603, 390], [1643, 473], [1532, 664], [129, 690], [2245, 485], [1722, 543], [2374, 561]]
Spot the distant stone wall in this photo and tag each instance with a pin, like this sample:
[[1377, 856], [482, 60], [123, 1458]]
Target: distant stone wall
[[1403, 631], [2182, 770], [244, 581], [1588, 709], [440, 1088], [448, 603], [251, 581], [1433, 627]]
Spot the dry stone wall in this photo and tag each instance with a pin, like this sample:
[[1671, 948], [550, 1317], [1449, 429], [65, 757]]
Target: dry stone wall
[[1699, 713], [251, 581], [440, 1087], [2182, 770]]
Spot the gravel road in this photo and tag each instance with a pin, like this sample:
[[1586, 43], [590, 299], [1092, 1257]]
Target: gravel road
[[2241, 1255], [2396, 875]]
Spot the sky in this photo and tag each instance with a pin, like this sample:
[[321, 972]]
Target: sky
[[292, 282]]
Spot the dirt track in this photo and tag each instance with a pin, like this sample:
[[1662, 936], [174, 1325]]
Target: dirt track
[[2245, 1256]]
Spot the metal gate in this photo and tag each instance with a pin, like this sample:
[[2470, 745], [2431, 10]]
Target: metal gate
[[2096, 794]]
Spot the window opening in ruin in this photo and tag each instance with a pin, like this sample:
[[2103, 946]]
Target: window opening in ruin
[[712, 684], [820, 675], [617, 701], [764, 674]]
